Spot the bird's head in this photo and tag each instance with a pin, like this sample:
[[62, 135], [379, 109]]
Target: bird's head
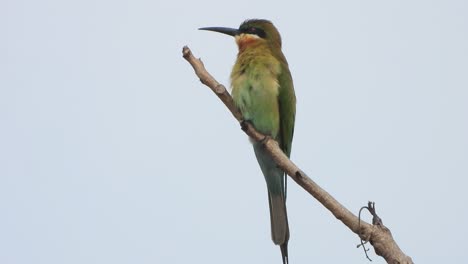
[[250, 32]]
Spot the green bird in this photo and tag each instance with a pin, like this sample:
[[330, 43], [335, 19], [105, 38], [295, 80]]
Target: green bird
[[262, 88]]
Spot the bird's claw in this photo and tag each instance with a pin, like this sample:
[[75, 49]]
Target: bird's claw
[[265, 139], [244, 124]]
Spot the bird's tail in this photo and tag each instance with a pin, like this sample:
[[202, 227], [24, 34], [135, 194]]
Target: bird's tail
[[275, 179]]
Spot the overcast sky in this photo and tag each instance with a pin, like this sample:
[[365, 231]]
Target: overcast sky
[[111, 151]]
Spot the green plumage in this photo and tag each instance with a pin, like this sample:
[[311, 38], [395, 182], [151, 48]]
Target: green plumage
[[262, 89]]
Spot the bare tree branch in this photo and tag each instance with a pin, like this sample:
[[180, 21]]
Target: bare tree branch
[[377, 234]]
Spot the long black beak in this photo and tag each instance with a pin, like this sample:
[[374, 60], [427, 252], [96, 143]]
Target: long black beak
[[224, 30]]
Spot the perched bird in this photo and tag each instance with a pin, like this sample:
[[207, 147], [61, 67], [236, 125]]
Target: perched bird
[[262, 88]]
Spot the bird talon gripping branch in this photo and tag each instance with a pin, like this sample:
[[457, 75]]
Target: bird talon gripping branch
[[245, 124], [265, 139]]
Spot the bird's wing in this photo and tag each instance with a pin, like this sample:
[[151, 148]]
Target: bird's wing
[[287, 109]]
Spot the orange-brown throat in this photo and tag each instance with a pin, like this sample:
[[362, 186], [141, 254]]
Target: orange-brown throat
[[246, 40]]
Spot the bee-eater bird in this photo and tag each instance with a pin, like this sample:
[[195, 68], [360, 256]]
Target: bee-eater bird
[[262, 88]]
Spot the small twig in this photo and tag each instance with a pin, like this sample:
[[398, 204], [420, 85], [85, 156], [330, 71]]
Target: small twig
[[376, 220], [362, 240]]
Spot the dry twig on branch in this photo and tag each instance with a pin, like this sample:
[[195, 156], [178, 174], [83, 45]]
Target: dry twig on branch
[[377, 234]]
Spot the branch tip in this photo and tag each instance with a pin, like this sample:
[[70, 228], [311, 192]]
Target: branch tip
[[186, 52]]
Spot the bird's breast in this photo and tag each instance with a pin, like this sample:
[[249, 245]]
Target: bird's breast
[[255, 90], [255, 70]]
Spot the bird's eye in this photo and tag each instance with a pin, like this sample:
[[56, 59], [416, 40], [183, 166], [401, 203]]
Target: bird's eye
[[254, 31]]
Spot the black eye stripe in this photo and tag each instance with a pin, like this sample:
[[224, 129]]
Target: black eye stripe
[[254, 30]]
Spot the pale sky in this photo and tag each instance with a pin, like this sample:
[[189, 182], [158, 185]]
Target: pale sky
[[111, 151]]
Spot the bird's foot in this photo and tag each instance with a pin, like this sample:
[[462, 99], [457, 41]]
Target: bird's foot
[[245, 124], [265, 139]]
